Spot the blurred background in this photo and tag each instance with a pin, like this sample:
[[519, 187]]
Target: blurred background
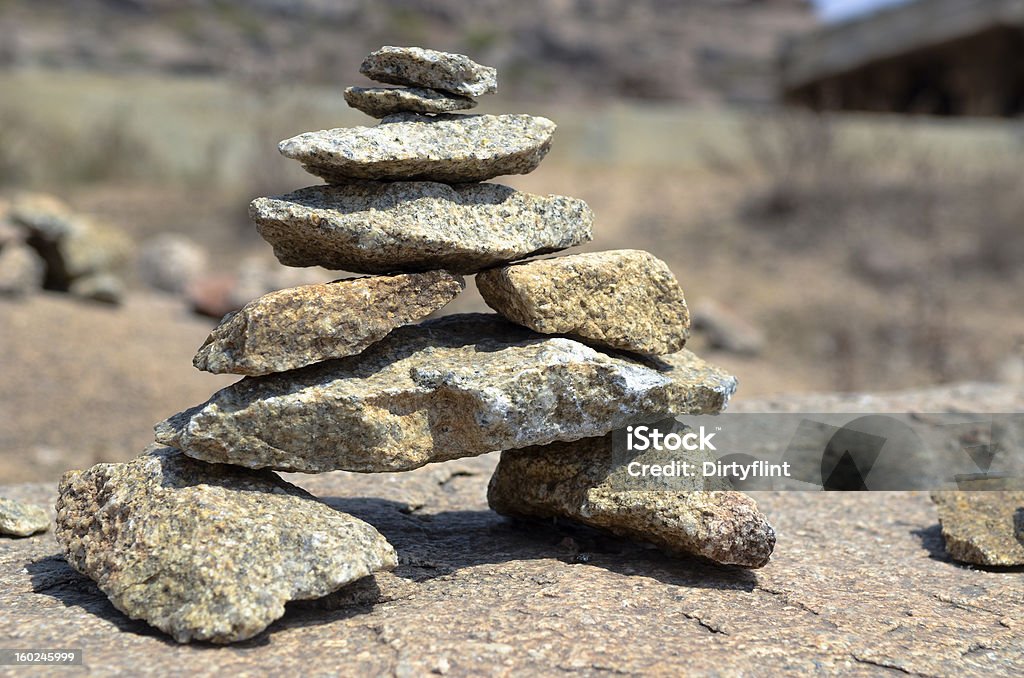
[[836, 184]]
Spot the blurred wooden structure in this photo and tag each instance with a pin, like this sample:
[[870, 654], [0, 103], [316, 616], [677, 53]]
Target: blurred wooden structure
[[937, 57]]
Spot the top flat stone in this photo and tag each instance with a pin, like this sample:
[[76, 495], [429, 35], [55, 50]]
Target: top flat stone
[[409, 146], [419, 67]]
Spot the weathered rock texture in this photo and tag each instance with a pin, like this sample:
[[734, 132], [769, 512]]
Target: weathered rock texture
[[572, 480], [982, 528], [419, 67], [623, 299], [459, 386], [380, 102], [21, 520], [207, 552], [410, 146], [304, 325], [379, 227]]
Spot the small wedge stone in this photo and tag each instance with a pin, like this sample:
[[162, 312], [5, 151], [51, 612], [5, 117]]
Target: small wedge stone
[[208, 552], [300, 326], [21, 520], [571, 480], [410, 146], [419, 67], [380, 227], [380, 102], [622, 299], [457, 386]]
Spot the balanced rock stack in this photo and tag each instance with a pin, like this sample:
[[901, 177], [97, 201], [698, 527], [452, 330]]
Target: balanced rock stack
[[349, 375]]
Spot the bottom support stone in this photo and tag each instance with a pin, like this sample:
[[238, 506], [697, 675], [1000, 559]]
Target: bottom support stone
[[573, 480]]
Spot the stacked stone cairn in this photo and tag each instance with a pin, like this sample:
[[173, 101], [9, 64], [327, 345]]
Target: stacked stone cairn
[[199, 537]]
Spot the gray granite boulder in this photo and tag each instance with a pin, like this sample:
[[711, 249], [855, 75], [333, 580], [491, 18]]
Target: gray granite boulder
[[208, 552]]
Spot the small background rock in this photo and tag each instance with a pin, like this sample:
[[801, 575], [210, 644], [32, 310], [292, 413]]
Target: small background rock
[[80, 255], [725, 330], [171, 261], [982, 528], [21, 269], [21, 520]]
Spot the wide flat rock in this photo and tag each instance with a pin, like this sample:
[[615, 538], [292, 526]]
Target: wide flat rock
[[377, 227], [303, 325], [622, 299], [410, 146], [380, 102], [859, 584], [459, 386], [420, 67], [207, 552], [575, 480]]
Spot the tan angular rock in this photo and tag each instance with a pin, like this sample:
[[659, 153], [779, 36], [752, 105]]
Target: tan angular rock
[[454, 387], [411, 147], [622, 299], [205, 552], [21, 520], [419, 67], [380, 227], [983, 527], [300, 326], [380, 102], [573, 480]]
